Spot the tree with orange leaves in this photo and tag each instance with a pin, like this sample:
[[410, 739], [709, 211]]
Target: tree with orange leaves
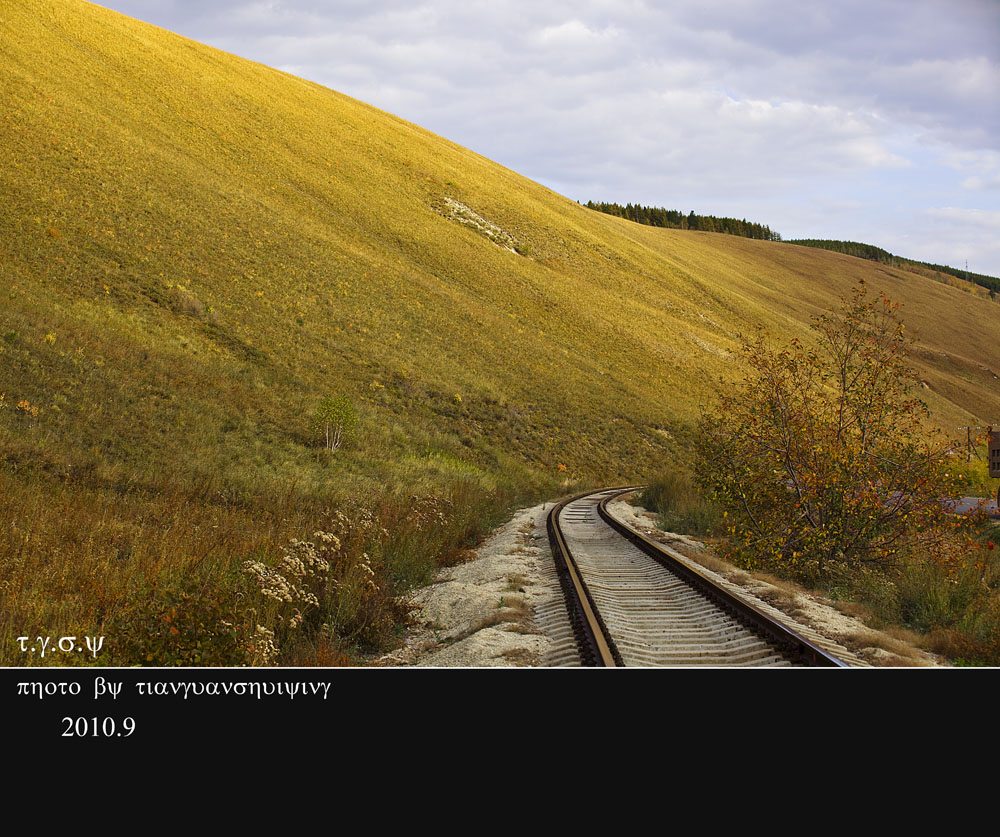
[[821, 457]]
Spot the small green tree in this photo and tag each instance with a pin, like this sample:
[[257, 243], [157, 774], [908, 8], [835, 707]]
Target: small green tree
[[821, 457], [334, 421]]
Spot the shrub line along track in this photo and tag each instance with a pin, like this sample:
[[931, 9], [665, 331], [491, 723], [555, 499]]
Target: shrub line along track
[[631, 602]]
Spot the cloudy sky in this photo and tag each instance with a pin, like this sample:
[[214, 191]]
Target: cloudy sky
[[865, 120]]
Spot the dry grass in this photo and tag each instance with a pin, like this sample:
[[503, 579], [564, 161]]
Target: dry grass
[[709, 560], [902, 647], [514, 608], [515, 582], [521, 657], [783, 588], [856, 610], [783, 600], [905, 636], [512, 613]]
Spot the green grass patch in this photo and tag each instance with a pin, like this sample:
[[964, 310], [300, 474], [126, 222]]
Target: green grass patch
[[680, 503]]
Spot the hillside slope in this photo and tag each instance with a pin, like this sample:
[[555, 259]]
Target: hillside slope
[[196, 249]]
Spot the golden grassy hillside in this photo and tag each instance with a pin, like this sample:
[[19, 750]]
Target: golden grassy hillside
[[196, 249]]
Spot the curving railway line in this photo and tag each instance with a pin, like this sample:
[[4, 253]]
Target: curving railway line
[[632, 603]]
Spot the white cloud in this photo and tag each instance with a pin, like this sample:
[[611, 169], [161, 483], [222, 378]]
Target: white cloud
[[987, 219], [956, 235], [981, 169], [572, 34], [981, 184]]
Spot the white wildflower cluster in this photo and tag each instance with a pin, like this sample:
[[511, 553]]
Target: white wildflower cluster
[[270, 581], [368, 574], [341, 521], [302, 570], [303, 561], [261, 649], [429, 511], [310, 579], [366, 520]]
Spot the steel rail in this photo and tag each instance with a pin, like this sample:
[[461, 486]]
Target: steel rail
[[593, 640], [789, 642], [595, 643]]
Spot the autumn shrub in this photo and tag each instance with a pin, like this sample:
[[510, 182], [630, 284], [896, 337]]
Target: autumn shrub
[[821, 457], [321, 591], [828, 472], [187, 624]]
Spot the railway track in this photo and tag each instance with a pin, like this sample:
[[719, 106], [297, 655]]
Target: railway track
[[632, 603]]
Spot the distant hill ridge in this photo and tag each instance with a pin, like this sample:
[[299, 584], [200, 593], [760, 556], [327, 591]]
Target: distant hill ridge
[[655, 216], [877, 254]]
